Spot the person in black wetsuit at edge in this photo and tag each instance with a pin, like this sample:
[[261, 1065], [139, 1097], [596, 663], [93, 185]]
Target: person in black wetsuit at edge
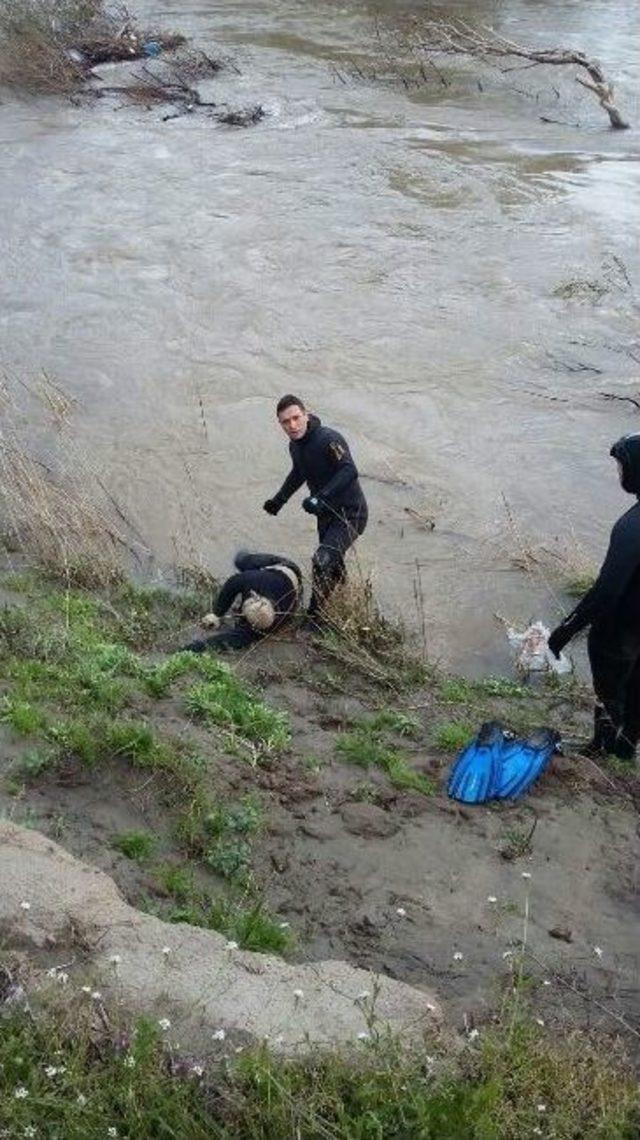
[[269, 587], [612, 609], [321, 458]]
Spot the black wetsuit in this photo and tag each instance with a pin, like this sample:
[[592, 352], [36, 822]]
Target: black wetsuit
[[323, 461], [612, 610], [256, 574]]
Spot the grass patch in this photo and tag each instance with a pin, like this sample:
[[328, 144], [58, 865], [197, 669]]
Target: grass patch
[[242, 918], [369, 746], [136, 845], [62, 1077], [452, 735], [225, 701], [22, 717]]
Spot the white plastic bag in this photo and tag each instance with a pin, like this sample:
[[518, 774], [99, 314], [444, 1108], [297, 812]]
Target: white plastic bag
[[532, 651]]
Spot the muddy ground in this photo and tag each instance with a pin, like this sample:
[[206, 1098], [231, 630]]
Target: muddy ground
[[410, 885]]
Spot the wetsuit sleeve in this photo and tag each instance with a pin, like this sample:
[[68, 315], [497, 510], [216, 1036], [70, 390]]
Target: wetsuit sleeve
[[292, 483], [345, 470], [619, 566], [228, 594]]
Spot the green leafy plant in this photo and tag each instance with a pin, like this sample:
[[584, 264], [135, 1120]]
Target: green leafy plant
[[136, 845]]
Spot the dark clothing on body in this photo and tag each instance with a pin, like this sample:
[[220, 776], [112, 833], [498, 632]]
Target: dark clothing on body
[[323, 461], [612, 609], [256, 575]]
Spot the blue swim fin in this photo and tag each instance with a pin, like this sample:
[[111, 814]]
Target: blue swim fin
[[522, 762], [474, 773]]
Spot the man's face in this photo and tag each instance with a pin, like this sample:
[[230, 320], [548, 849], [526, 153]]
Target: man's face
[[294, 421]]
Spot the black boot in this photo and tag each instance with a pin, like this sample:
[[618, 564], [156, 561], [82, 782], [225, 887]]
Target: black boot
[[624, 747], [605, 734]]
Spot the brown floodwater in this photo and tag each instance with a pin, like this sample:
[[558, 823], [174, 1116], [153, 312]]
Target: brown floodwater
[[399, 256]]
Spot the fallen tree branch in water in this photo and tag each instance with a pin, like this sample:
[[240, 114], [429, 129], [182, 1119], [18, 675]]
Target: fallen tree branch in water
[[458, 38], [623, 399]]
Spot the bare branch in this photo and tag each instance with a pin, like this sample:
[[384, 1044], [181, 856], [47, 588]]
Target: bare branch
[[441, 37]]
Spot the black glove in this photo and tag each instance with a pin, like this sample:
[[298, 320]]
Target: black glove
[[271, 506], [558, 639], [311, 505]]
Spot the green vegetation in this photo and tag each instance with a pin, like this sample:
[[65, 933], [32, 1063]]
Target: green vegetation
[[223, 700], [138, 845], [452, 735], [77, 686], [369, 745], [579, 584], [240, 917], [58, 1078]]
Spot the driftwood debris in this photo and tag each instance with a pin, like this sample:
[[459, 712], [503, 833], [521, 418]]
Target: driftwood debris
[[440, 37]]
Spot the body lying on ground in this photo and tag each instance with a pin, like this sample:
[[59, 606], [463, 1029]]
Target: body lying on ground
[[266, 591]]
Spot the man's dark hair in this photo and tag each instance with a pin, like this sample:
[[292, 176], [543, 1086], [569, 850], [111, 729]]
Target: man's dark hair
[[287, 402]]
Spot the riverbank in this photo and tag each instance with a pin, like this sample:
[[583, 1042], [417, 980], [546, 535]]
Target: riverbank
[[214, 793]]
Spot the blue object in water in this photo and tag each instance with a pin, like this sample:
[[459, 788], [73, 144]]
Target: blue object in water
[[152, 48], [474, 773], [522, 762]]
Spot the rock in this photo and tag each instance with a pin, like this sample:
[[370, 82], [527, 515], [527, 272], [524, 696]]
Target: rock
[[203, 983], [562, 933], [321, 829], [368, 821]]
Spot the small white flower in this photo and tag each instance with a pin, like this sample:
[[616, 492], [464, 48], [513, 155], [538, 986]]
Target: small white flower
[[115, 960], [219, 1035], [63, 978], [430, 1060], [539, 1021], [112, 1132], [537, 1131], [232, 945], [541, 1107], [364, 1036], [458, 956], [52, 972], [239, 1049], [164, 1024], [364, 996], [298, 994], [598, 951], [50, 1071], [29, 1130], [546, 982], [401, 912], [21, 1093], [96, 995], [85, 989], [166, 950], [81, 1100], [473, 1033], [25, 905], [526, 875], [431, 1008], [284, 925], [491, 899], [508, 954], [130, 1061], [197, 1070]]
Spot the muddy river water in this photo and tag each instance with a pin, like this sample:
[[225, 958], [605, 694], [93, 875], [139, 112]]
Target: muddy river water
[[402, 257]]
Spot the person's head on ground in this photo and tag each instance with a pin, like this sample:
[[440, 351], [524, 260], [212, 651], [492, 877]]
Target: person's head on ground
[[259, 612], [292, 415], [626, 452]]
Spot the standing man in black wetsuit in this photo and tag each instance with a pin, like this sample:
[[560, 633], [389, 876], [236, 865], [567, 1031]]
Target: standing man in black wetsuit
[[612, 609], [321, 458]]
